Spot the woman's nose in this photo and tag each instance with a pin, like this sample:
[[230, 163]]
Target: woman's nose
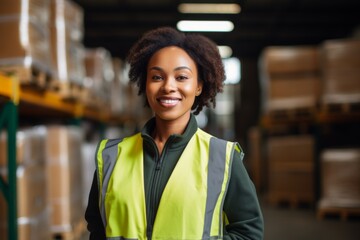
[[169, 84]]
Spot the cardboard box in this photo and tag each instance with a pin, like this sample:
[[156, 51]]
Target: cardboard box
[[340, 54], [297, 91], [290, 59], [292, 181], [291, 168], [340, 70], [37, 10], [32, 209], [66, 31], [340, 179], [30, 228], [291, 149], [25, 45], [64, 174], [289, 77], [99, 73], [341, 85], [30, 144]]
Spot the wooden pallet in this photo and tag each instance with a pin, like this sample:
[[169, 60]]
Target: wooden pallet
[[292, 114], [68, 91], [28, 76], [343, 213], [341, 107], [90, 100], [289, 121], [77, 232], [290, 200]]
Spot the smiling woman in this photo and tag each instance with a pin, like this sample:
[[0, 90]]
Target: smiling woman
[[172, 85], [172, 180]]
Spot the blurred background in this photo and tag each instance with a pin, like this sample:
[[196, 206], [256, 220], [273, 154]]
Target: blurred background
[[291, 99]]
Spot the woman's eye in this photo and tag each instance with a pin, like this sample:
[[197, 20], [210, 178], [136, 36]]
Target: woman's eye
[[182, 77], [156, 77]]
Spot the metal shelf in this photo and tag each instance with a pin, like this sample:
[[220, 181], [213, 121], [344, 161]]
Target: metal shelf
[[12, 96], [49, 100]]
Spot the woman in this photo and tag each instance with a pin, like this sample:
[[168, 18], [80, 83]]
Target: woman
[[173, 180]]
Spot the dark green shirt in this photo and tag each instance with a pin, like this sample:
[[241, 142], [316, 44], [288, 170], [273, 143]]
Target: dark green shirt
[[241, 204]]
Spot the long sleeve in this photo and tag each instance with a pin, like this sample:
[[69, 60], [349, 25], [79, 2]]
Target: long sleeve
[[92, 215], [241, 205]]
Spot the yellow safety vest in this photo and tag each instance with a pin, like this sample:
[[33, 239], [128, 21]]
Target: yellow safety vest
[[191, 203]]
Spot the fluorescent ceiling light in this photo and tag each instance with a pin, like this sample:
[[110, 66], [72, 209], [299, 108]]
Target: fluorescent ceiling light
[[215, 8], [225, 51], [205, 26], [232, 70]]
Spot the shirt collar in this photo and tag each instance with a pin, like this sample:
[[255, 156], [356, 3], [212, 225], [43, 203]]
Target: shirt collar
[[178, 140]]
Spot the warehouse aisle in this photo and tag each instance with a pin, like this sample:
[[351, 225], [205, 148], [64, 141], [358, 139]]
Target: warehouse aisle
[[284, 223]]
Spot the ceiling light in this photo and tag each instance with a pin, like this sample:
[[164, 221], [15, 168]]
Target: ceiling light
[[225, 51], [205, 26], [220, 8], [232, 70]]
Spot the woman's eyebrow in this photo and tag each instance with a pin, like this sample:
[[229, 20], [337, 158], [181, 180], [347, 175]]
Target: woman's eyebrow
[[156, 68], [175, 69], [182, 67]]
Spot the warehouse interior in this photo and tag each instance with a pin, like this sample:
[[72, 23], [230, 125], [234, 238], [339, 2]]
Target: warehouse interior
[[291, 100]]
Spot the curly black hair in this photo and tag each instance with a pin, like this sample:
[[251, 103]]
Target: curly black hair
[[201, 49]]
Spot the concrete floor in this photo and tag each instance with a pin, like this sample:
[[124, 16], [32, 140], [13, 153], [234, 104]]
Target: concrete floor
[[286, 223]]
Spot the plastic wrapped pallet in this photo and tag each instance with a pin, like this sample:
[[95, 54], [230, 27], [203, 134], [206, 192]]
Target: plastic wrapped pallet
[[341, 71], [67, 30], [64, 174], [33, 212], [340, 179], [291, 168], [294, 91], [290, 59], [25, 41], [99, 76], [289, 77], [119, 90]]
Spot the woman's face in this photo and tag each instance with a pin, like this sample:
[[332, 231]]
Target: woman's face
[[172, 84]]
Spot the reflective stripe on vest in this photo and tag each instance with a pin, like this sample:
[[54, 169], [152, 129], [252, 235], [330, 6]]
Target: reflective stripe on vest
[[191, 203]]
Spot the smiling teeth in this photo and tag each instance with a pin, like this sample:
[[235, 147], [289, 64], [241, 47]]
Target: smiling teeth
[[169, 101]]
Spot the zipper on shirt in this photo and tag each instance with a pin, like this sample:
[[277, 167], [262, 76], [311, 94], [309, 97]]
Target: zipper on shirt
[[154, 190]]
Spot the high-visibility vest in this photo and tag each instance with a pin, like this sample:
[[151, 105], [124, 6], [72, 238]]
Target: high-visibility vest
[[191, 203]]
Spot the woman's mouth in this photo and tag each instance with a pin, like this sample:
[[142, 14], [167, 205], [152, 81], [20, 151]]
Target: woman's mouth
[[168, 102]]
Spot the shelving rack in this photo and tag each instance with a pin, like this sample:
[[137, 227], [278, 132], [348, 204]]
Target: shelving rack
[[317, 125], [12, 96], [8, 120]]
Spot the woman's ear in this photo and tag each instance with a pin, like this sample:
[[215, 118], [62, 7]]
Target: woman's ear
[[198, 91]]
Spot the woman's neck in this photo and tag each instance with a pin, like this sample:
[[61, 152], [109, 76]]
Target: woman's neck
[[164, 129]]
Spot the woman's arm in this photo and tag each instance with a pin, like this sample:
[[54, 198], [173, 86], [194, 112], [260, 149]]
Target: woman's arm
[[241, 205], [92, 215]]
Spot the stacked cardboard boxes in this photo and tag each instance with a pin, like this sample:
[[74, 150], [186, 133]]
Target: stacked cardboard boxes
[[340, 179], [289, 77], [341, 71], [49, 181], [33, 210], [42, 43], [64, 177], [25, 36], [99, 71], [66, 28], [291, 169]]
